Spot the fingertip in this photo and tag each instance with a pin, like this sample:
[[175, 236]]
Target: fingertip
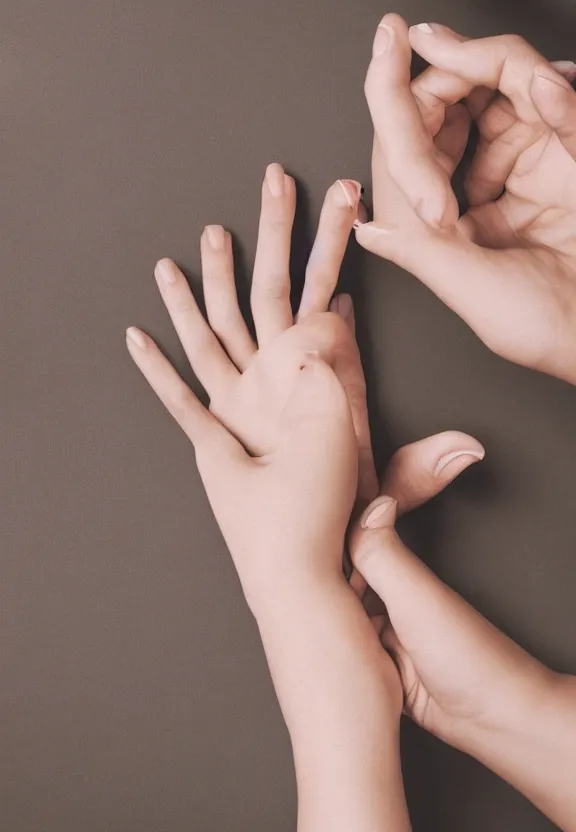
[[342, 305], [165, 271], [465, 451], [136, 338], [380, 514]]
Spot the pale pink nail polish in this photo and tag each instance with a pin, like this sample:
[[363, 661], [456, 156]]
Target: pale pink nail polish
[[136, 337], [216, 236], [378, 516], [275, 179], [349, 192], [425, 27], [343, 306], [382, 40], [464, 458], [164, 272]]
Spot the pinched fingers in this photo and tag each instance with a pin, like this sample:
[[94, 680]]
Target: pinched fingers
[[406, 143], [506, 63]]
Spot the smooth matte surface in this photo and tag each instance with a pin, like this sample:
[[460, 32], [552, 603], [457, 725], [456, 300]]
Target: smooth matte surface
[[134, 694]]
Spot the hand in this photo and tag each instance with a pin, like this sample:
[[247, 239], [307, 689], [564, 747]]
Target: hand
[[508, 266], [464, 680], [278, 401], [284, 508]]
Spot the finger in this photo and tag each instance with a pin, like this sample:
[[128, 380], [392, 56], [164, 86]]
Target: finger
[[495, 160], [567, 69], [436, 627], [347, 365], [205, 354], [506, 63], [453, 136], [555, 101], [338, 214], [270, 295], [434, 91], [220, 296], [406, 144], [357, 583], [203, 430], [420, 471]]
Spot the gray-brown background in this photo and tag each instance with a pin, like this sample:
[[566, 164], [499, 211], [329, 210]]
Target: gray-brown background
[[133, 690]]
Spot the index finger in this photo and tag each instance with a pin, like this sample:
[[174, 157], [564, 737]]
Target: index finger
[[506, 63], [405, 141]]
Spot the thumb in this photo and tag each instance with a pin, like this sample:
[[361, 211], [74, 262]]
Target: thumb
[[418, 472], [555, 101], [466, 277]]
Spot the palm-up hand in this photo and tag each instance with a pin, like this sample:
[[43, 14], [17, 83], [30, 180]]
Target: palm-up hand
[[508, 266]]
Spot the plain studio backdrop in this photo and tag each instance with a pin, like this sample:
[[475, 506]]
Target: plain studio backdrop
[[134, 694]]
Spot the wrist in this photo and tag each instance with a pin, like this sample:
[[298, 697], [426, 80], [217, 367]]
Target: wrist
[[284, 583], [516, 711]]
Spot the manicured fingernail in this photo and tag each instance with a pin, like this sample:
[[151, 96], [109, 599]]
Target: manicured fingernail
[[371, 228], [458, 461], [275, 179], [565, 68], [548, 75], [426, 28], [164, 271], [216, 237], [382, 40], [348, 193], [343, 306], [136, 337], [378, 516]]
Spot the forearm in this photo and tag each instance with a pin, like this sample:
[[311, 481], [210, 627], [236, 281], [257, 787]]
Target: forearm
[[536, 754], [341, 701]]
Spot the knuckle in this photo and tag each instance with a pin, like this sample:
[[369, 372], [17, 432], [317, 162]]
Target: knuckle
[[276, 286], [363, 555]]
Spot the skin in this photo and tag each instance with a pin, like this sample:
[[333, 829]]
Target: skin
[[508, 265], [283, 440], [465, 681]]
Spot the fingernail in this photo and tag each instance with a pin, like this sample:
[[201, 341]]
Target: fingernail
[[216, 236], [566, 68], [136, 337], [312, 353], [275, 179], [343, 306], [465, 458], [164, 271], [348, 193], [548, 74], [382, 39], [372, 228], [426, 28], [378, 516]]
